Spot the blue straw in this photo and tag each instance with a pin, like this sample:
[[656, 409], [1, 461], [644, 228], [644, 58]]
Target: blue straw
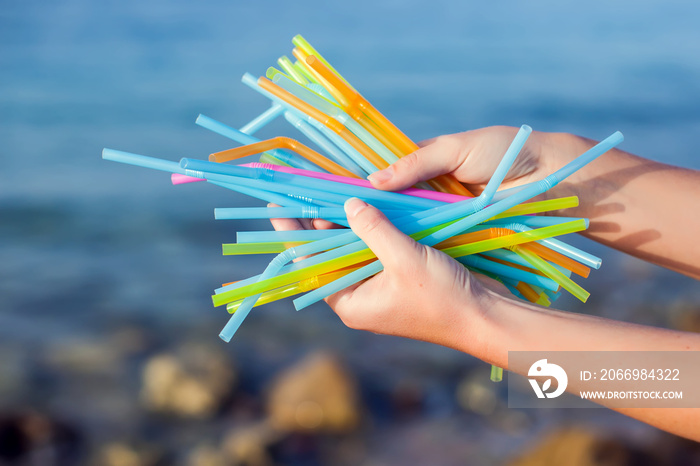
[[506, 271], [244, 213], [321, 141], [142, 161], [263, 119], [392, 199]]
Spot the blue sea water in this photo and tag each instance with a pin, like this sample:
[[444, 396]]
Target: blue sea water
[[86, 242]]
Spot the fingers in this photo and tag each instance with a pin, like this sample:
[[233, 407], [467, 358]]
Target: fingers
[[389, 244], [442, 155]]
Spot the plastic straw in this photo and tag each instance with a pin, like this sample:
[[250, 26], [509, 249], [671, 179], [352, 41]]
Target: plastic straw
[[272, 160], [539, 207], [243, 138], [292, 289], [553, 273], [286, 235], [389, 199], [287, 65], [263, 119], [244, 213], [300, 42], [281, 142], [328, 121], [237, 249], [324, 143], [424, 193]]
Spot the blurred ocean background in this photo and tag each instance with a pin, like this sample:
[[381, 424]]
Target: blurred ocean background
[[108, 341]]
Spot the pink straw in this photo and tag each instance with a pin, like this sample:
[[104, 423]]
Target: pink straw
[[424, 193]]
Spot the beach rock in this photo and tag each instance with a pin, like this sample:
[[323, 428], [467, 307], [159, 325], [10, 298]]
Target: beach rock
[[316, 395], [123, 454], [477, 393], [193, 381], [207, 455], [249, 445], [35, 438], [575, 447]]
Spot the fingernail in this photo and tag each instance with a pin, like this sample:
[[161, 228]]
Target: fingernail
[[382, 176], [353, 206]]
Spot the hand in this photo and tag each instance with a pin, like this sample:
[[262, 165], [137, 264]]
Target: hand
[[421, 294], [471, 157]]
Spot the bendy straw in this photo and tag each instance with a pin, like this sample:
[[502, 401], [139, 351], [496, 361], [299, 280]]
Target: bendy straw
[[334, 111], [388, 198], [281, 142], [243, 138], [328, 213], [286, 64], [333, 151], [292, 289], [367, 159], [435, 195], [263, 119]]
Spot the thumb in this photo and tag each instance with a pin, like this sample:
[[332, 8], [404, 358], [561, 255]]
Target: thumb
[[444, 155], [387, 242]]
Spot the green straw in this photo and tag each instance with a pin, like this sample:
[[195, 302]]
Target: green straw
[[304, 45], [275, 247], [547, 269], [286, 64]]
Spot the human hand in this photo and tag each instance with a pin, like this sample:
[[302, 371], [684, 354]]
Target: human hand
[[472, 157], [422, 293]]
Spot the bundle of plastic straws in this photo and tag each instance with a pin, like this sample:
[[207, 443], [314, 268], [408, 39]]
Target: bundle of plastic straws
[[496, 233]]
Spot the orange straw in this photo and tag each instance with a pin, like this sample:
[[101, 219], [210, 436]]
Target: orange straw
[[352, 101], [330, 122], [553, 256], [355, 113], [281, 142]]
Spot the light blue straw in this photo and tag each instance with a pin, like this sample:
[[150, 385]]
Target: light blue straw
[[263, 119], [142, 161], [330, 149], [388, 198], [245, 213], [322, 91], [506, 271]]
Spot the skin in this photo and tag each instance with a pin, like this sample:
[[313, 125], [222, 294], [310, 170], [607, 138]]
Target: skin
[[425, 295]]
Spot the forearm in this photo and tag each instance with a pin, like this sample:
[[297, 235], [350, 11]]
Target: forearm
[[509, 325], [638, 206]]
